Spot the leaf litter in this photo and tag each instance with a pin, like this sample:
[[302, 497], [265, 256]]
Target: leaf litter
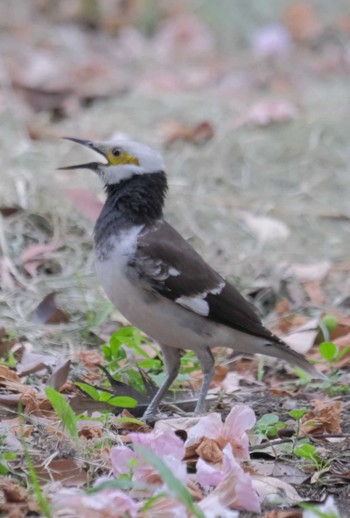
[[256, 135]]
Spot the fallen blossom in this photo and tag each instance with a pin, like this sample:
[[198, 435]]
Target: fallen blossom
[[108, 503], [165, 445], [232, 431], [234, 488]]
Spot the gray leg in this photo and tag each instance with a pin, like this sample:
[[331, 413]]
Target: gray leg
[[171, 357], [208, 367]]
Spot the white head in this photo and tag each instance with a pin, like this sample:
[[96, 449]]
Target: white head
[[124, 159]]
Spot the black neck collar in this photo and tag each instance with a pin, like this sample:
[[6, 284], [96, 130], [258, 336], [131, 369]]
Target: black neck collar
[[138, 200]]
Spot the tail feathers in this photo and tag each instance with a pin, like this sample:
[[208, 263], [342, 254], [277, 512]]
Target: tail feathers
[[283, 351]]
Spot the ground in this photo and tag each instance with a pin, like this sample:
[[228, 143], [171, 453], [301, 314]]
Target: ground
[[249, 106]]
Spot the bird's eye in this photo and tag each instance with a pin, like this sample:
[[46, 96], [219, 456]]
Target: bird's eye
[[116, 152]]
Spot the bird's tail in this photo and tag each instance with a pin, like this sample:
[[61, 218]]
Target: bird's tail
[[283, 351]]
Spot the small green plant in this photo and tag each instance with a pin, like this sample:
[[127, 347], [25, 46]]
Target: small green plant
[[331, 353], [107, 397], [310, 453], [122, 342], [297, 415], [10, 361], [63, 410], [268, 425]]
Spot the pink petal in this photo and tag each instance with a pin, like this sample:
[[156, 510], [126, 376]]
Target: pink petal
[[240, 419], [120, 459], [207, 475], [212, 508], [99, 505], [162, 443], [235, 489], [208, 426]]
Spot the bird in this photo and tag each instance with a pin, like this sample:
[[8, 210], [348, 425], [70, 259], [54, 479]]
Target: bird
[[158, 281]]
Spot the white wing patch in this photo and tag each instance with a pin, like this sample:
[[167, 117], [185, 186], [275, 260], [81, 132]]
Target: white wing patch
[[218, 290], [197, 303]]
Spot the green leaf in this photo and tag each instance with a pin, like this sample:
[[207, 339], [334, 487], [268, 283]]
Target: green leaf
[[90, 391], [123, 401], [328, 350], [298, 413], [63, 410], [307, 451], [174, 485], [129, 420]]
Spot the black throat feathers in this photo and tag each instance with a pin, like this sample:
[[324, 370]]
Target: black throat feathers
[[138, 200]]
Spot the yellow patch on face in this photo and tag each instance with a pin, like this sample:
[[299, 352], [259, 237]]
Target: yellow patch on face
[[122, 159]]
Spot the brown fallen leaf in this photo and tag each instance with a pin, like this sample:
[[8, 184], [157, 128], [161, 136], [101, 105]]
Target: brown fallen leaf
[[324, 418], [86, 202], [209, 450], [59, 376], [67, 471], [15, 501], [48, 313], [6, 374], [198, 134]]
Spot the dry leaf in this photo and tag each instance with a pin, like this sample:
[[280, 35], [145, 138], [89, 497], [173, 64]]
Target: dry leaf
[[209, 450], [67, 471], [274, 492], [324, 418], [303, 338], [198, 134], [6, 374], [59, 376], [48, 313]]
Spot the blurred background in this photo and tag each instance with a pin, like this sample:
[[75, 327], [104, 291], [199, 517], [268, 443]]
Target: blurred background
[[248, 101]]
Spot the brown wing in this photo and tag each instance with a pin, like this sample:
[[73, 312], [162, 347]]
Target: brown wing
[[175, 270]]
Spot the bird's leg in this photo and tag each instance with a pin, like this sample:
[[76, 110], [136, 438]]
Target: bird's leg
[[208, 368], [171, 357]]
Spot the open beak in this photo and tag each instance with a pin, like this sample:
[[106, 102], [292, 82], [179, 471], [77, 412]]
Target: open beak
[[91, 145]]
